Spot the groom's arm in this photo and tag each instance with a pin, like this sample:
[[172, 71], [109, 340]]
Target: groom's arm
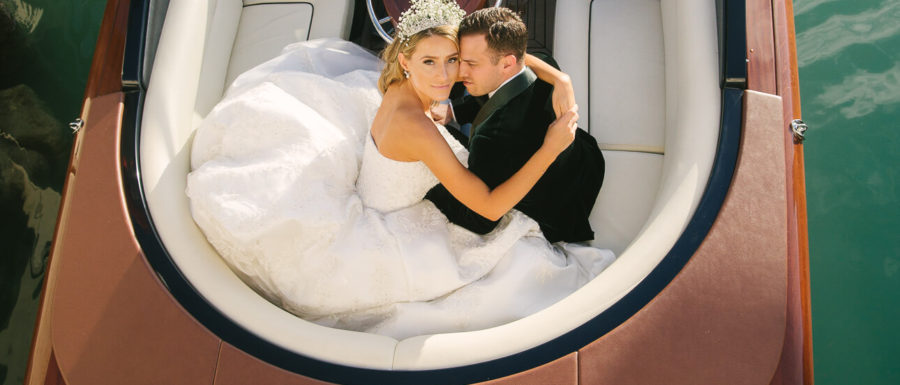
[[465, 107], [457, 212]]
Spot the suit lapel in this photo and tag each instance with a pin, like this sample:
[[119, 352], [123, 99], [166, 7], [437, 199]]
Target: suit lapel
[[509, 90]]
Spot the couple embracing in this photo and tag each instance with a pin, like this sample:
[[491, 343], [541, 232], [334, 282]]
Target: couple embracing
[[442, 230]]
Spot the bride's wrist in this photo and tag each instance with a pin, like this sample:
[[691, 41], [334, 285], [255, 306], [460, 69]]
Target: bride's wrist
[[548, 152]]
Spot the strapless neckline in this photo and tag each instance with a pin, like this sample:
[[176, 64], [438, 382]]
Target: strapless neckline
[[378, 150]]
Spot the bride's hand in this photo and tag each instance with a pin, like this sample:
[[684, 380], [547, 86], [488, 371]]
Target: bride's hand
[[563, 95], [561, 132]]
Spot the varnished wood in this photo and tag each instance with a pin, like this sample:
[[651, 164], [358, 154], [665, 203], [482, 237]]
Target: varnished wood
[[797, 355], [105, 77], [760, 47], [800, 201], [790, 370], [106, 67], [722, 318], [54, 377], [113, 320]]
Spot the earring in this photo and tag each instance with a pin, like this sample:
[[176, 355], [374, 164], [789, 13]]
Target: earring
[[406, 74]]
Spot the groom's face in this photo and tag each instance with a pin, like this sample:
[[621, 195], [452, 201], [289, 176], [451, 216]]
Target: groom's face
[[479, 69]]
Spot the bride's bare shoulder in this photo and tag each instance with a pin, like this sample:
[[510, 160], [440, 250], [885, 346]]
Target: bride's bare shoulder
[[405, 115]]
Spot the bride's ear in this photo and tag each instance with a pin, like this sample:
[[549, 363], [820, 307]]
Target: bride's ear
[[403, 62]]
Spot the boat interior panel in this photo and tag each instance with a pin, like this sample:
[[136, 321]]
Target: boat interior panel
[[540, 16], [656, 105], [264, 30], [628, 110]]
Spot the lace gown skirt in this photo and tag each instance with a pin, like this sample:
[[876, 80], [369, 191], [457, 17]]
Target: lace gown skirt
[[289, 187]]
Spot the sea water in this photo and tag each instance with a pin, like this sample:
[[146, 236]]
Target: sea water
[[849, 59]]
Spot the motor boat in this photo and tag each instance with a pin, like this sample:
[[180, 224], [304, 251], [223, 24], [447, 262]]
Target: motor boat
[[692, 102]]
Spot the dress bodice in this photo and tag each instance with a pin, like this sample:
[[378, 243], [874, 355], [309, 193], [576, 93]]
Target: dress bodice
[[386, 185]]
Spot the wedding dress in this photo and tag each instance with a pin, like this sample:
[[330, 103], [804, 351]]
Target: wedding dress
[[289, 187]]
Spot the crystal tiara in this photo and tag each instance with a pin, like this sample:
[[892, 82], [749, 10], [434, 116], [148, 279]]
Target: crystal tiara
[[424, 14]]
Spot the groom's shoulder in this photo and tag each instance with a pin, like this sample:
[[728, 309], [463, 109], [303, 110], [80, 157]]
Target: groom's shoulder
[[533, 102]]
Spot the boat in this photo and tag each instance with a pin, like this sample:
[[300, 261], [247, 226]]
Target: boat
[[694, 103]]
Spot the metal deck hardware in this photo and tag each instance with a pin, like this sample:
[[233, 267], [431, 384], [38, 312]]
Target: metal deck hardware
[[798, 127], [76, 125]]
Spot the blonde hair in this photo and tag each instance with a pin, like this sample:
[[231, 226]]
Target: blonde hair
[[392, 71]]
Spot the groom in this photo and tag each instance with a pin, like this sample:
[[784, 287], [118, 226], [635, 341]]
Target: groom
[[510, 110]]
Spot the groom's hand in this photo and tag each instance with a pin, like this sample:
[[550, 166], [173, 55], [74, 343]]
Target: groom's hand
[[442, 113]]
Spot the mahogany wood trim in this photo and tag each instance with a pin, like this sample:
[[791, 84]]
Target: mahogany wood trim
[[760, 47], [800, 201], [41, 359], [106, 70], [797, 355], [106, 67], [54, 376]]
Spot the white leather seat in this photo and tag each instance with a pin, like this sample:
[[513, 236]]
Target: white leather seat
[[625, 93]]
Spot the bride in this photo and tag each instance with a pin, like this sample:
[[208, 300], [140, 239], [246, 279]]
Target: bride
[[310, 183]]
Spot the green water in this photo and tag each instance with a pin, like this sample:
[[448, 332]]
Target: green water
[[45, 55], [849, 57], [850, 91]]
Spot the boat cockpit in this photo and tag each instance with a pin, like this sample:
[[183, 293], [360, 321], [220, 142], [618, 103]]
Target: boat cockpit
[[648, 75]]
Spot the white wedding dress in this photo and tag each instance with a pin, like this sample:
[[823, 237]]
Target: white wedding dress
[[289, 187]]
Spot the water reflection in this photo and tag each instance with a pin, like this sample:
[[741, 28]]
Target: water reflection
[[861, 93], [33, 158], [803, 7], [840, 31], [24, 14], [849, 56]]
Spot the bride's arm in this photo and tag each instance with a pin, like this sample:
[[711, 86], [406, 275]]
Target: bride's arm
[[470, 190], [563, 93]]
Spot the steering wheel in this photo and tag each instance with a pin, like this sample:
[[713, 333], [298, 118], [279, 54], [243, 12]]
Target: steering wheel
[[380, 22]]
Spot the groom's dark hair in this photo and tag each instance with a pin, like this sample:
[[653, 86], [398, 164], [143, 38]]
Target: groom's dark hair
[[503, 29]]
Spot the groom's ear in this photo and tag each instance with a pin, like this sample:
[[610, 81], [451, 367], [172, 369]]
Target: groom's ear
[[509, 61]]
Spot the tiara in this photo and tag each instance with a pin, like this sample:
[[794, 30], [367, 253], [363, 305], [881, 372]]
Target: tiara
[[424, 14]]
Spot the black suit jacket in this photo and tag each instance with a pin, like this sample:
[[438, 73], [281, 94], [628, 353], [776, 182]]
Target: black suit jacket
[[505, 132]]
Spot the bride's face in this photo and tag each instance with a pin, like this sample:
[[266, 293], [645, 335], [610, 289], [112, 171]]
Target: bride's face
[[433, 67]]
